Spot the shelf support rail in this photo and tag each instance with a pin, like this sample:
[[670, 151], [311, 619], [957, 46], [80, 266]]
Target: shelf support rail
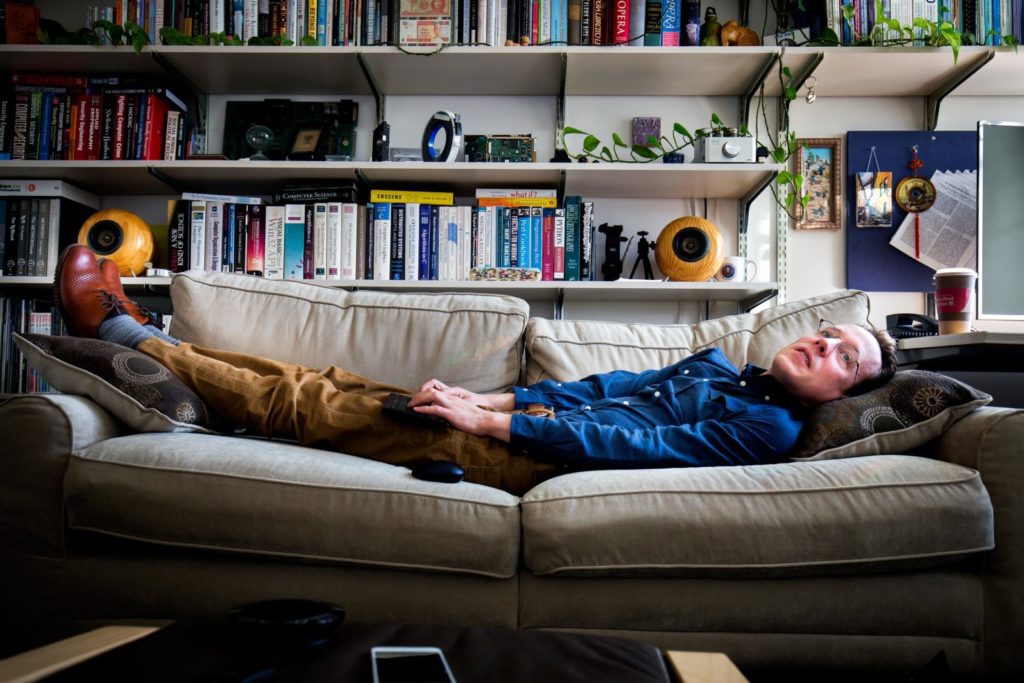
[[372, 82], [165, 179], [934, 100], [746, 201], [755, 84]]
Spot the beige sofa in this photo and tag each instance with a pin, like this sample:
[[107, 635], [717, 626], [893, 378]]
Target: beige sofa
[[876, 563]]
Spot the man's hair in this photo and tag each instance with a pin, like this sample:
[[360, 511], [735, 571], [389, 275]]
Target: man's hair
[[889, 363]]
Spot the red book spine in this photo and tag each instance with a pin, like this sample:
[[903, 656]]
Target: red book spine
[[254, 242], [156, 125], [80, 120], [547, 244], [93, 127], [620, 22], [119, 127]]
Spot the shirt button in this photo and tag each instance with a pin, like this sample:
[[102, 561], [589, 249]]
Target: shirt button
[[558, 384], [704, 380], [743, 382], [657, 394], [767, 398], [686, 372], [625, 403], [586, 407]]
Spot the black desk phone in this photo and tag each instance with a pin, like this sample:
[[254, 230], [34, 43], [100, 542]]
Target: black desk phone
[[910, 325]]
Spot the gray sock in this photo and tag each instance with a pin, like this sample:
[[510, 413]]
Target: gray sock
[[124, 330], [160, 334]]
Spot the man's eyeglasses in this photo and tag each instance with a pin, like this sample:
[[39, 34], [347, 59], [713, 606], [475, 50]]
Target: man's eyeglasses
[[847, 353]]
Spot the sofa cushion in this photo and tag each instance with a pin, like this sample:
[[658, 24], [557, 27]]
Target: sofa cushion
[[571, 349], [136, 389], [474, 341], [833, 516], [913, 408], [270, 498]]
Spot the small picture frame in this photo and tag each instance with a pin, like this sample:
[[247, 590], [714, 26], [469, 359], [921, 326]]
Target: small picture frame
[[819, 161], [304, 143]]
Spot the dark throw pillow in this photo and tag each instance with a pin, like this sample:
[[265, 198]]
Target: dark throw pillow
[[130, 385], [913, 408]]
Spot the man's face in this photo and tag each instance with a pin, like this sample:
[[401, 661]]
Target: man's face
[[815, 369]]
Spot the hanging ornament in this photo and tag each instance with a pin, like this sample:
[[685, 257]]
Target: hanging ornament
[[914, 195]]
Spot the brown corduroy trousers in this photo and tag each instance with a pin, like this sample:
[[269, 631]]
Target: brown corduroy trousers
[[335, 410]]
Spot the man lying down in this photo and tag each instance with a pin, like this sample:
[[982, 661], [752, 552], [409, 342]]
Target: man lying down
[[700, 411]]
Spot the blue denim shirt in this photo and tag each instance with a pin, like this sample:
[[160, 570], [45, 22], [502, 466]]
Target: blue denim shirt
[[698, 412]]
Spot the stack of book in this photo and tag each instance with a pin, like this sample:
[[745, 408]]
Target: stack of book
[[104, 118], [39, 217], [397, 235], [25, 316]]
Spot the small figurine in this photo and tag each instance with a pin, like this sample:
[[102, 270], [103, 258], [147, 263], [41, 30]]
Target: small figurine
[[709, 31]]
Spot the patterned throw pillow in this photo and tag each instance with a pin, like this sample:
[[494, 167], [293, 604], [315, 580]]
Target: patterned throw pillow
[[913, 408], [133, 387]]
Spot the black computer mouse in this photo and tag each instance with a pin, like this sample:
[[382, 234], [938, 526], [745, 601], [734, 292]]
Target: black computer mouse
[[443, 471]]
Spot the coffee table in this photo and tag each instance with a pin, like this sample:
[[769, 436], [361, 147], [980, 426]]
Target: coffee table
[[192, 650]]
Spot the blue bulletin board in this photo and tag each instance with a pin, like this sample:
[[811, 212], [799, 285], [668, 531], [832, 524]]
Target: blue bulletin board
[[871, 263]]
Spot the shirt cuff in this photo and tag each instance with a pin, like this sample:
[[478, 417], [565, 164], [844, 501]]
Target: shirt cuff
[[525, 397]]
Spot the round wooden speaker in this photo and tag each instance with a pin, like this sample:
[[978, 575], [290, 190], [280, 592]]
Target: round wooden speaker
[[120, 236], [689, 249]]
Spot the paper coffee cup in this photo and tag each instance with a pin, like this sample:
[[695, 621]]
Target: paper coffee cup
[[954, 299]]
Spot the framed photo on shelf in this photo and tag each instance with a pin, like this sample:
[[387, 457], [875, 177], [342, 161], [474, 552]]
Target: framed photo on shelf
[[819, 161]]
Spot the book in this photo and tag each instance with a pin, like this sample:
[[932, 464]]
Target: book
[[214, 235], [423, 267], [558, 246], [349, 241], [545, 202], [320, 240], [670, 23], [412, 196], [381, 241], [294, 240], [178, 227], [226, 198], [334, 240], [309, 241], [396, 250], [197, 235], [273, 240], [573, 216], [618, 18], [547, 271], [412, 237], [588, 269], [255, 240]]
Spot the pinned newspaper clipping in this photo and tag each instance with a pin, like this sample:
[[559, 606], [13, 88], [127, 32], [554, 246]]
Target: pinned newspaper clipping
[[949, 227], [425, 23]]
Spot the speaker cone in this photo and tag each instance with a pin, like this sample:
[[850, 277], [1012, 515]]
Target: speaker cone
[[105, 237], [690, 244]]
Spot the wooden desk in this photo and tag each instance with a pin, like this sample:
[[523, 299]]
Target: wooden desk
[[49, 659]]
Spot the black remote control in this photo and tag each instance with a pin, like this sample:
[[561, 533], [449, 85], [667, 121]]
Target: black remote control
[[396, 406]]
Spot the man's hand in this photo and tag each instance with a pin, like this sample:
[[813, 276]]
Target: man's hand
[[500, 402], [462, 413]]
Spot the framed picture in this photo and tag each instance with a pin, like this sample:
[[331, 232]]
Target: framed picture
[[818, 160]]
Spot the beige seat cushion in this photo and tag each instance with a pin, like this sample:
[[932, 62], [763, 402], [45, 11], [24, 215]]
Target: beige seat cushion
[[271, 498], [790, 519], [469, 340], [571, 349]]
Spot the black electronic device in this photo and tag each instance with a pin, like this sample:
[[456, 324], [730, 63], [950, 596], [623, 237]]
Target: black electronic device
[[306, 622], [911, 325], [382, 142], [612, 266], [396, 406], [444, 471]]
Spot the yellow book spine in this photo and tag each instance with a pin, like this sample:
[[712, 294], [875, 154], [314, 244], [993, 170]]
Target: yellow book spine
[[413, 197], [544, 202]]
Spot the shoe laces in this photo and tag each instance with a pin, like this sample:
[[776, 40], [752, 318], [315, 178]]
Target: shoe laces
[[110, 302]]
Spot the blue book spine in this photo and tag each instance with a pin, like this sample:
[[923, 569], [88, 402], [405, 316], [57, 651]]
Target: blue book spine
[[524, 238], [434, 239], [424, 242], [536, 237], [505, 232], [670, 23], [294, 246], [997, 24], [44, 127], [321, 22], [228, 259]]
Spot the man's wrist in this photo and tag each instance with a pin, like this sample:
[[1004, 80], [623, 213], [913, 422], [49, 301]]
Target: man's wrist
[[498, 426], [502, 402]]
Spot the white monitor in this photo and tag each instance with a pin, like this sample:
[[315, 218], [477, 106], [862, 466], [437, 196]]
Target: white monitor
[[1000, 220]]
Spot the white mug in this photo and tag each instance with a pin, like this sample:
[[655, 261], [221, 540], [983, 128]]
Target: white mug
[[737, 269]]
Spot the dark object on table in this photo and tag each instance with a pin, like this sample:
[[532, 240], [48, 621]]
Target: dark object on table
[[396, 406], [306, 622], [443, 471], [381, 142], [673, 158], [910, 325]]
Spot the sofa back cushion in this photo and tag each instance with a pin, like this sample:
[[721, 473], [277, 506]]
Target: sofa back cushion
[[571, 349], [467, 340]]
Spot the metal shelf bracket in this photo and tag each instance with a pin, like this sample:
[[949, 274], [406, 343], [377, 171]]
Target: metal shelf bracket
[[378, 97], [934, 100]]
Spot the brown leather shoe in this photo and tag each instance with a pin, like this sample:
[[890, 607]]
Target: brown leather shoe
[[80, 292], [112, 277]]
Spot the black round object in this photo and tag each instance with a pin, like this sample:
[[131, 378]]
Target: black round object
[[105, 237], [309, 621], [444, 471], [690, 244]]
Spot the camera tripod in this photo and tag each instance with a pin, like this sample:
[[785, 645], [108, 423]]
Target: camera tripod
[[643, 251]]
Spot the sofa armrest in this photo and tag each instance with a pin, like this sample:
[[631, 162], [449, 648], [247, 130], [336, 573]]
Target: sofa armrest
[[40, 431], [989, 441]]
